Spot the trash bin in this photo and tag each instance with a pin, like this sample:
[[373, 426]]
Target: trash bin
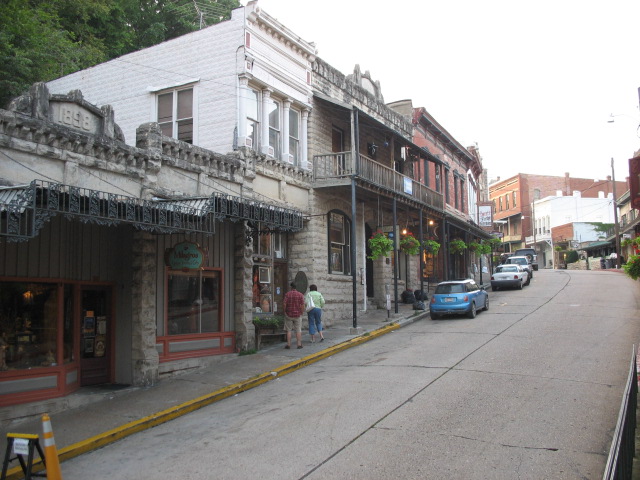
[[603, 264], [608, 263]]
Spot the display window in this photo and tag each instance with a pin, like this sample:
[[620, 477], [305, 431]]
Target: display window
[[193, 302], [29, 325]]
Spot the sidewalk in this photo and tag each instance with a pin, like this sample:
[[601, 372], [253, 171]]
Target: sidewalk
[[93, 417]]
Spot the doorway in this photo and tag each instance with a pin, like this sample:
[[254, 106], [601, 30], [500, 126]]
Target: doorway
[[95, 333]]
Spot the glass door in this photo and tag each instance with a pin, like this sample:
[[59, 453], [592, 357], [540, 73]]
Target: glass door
[[95, 332]]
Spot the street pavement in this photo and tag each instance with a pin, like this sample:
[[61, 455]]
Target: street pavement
[[93, 417]]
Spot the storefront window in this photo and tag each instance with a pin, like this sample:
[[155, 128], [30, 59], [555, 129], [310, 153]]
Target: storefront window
[[193, 302], [28, 325], [339, 243]]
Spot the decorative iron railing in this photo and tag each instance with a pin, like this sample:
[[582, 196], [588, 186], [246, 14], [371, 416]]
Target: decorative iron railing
[[623, 446], [340, 165], [24, 210]]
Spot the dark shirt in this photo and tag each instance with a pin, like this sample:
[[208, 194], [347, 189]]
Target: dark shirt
[[293, 304]]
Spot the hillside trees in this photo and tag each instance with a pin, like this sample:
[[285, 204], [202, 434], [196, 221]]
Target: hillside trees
[[44, 39]]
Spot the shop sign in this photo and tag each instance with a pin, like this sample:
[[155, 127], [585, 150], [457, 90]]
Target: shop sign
[[185, 255]]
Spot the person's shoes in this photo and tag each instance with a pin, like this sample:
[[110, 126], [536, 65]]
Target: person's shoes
[[299, 346], [313, 340], [287, 346], [322, 339]]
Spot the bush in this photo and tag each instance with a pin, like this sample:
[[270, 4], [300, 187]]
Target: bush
[[572, 256], [632, 267]]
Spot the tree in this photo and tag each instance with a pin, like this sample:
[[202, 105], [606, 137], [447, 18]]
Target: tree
[[44, 39]]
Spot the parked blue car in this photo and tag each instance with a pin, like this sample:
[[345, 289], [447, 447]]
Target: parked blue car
[[458, 297]]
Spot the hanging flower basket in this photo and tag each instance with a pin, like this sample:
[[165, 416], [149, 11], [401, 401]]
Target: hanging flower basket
[[457, 246], [474, 246], [431, 246], [410, 244], [380, 245]]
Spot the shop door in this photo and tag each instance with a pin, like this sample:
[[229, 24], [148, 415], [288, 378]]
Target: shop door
[[280, 287], [95, 330]]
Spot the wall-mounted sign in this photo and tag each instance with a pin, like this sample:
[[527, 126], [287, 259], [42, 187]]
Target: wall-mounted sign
[[185, 255], [408, 185]]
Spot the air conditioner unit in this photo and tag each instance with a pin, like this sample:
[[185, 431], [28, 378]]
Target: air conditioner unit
[[248, 142]]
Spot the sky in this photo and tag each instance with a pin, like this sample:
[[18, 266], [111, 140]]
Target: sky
[[533, 84]]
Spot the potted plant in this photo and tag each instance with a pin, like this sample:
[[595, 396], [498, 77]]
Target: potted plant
[[271, 322], [431, 246], [457, 246], [410, 244], [380, 245]]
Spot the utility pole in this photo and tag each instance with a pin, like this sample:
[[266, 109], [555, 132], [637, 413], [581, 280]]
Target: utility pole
[[616, 226]]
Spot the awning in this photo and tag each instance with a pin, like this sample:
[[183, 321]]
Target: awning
[[24, 210], [595, 246]]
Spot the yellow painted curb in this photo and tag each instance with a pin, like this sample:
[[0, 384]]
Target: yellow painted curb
[[123, 431]]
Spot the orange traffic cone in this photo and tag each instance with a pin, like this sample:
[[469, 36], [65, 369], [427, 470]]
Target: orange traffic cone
[[50, 452]]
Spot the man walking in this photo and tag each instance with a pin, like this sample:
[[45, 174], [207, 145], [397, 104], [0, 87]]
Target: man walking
[[293, 310]]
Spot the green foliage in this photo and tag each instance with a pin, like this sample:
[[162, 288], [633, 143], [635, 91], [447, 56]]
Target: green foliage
[[250, 351], [273, 321], [410, 244], [557, 248], [45, 39], [380, 245], [632, 267], [457, 246], [431, 246], [493, 243], [572, 256]]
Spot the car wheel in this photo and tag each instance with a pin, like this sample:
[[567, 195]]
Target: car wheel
[[434, 316], [528, 281], [472, 311], [486, 303]]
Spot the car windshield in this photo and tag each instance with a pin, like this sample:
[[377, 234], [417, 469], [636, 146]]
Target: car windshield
[[519, 261], [451, 288], [507, 269]]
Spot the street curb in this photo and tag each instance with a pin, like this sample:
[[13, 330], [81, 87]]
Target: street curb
[[158, 418]]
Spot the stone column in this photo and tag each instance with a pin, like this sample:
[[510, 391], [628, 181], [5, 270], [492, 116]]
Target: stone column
[[286, 106], [264, 140], [143, 319], [304, 154], [245, 334], [242, 110]]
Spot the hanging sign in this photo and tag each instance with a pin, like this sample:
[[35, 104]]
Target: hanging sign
[[187, 255]]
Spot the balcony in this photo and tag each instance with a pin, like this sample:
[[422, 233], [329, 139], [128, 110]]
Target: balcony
[[336, 169]]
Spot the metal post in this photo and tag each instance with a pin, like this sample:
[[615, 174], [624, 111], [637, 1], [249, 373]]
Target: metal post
[[355, 169], [395, 253], [616, 225], [421, 253]]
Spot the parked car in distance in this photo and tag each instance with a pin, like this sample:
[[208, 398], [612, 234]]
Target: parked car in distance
[[530, 253], [523, 261], [457, 297], [513, 276]]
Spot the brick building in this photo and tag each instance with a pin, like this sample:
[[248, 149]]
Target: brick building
[[514, 207]]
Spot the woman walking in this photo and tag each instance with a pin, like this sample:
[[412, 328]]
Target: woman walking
[[315, 312]]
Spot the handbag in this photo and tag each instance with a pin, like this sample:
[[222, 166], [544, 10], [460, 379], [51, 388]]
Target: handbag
[[310, 305]]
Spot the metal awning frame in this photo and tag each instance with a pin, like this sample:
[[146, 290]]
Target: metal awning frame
[[24, 210]]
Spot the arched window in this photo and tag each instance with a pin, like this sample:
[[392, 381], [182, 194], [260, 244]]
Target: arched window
[[339, 243]]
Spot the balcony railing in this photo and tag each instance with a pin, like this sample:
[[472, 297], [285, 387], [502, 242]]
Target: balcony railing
[[340, 165]]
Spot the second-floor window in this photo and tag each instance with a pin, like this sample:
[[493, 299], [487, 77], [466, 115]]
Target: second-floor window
[[253, 122], [514, 200], [175, 114], [294, 137], [506, 202], [274, 128]]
